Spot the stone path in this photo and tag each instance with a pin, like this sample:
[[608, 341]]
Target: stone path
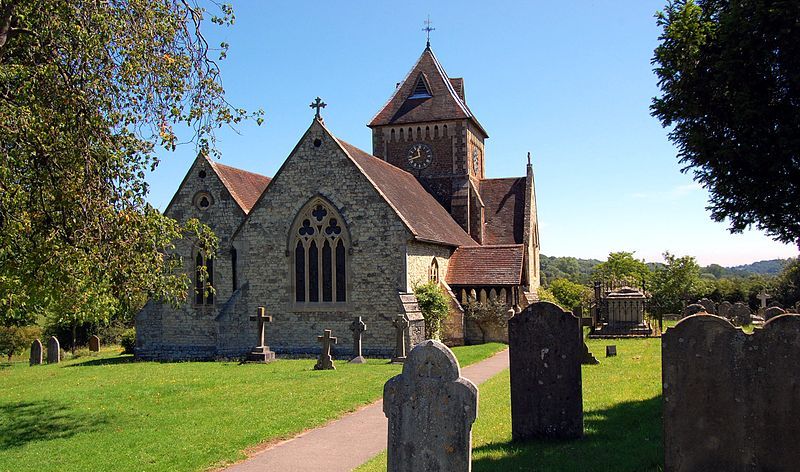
[[344, 444]]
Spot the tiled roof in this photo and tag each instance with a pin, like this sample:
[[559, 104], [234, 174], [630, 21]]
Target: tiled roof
[[244, 186], [504, 209], [486, 265], [420, 212], [445, 102]]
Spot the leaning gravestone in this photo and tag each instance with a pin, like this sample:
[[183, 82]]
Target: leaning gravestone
[[731, 399], [94, 343], [357, 327], [53, 351], [709, 305], [325, 361], [740, 313], [724, 309], [36, 352], [545, 350], [772, 312], [693, 309], [431, 409]]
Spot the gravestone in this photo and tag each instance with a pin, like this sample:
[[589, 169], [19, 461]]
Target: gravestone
[[693, 309], [545, 350], [261, 352], [709, 305], [431, 409], [611, 351], [325, 361], [772, 312], [53, 351], [740, 314], [724, 309], [587, 358], [731, 399], [36, 352], [401, 324], [94, 343], [763, 296], [357, 327]]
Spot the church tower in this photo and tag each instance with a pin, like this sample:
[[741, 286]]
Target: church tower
[[427, 129]]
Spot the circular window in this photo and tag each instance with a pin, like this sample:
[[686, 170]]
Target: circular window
[[203, 200], [202, 174], [317, 142]]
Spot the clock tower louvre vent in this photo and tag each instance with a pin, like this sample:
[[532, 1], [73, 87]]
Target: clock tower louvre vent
[[421, 88]]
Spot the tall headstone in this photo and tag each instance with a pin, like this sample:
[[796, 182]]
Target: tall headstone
[[53, 351], [772, 312], [36, 352], [401, 324], [545, 357], [325, 361], [709, 305], [724, 309], [740, 314], [94, 343], [431, 409], [357, 327], [731, 399], [261, 352]]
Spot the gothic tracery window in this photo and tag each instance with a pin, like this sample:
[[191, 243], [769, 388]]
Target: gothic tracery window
[[320, 246], [433, 274]]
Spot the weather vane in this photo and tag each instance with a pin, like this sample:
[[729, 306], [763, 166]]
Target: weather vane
[[427, 29]]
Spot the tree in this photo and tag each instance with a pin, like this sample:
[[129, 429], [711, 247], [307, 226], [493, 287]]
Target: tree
[[433, 305], [623, 267], [676, 281], [787, 284], [15, 339], [569, 294], [88, 91], [729, 73]]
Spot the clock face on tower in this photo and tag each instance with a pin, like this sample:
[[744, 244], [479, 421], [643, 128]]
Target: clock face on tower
[[476, 163], [420, 156]]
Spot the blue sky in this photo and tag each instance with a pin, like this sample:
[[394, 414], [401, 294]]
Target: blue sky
[[571, 82]]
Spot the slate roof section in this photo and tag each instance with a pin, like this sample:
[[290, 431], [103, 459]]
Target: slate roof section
[[486, 265], [244, 186], [504, 210], [422, 214], [446, 102]]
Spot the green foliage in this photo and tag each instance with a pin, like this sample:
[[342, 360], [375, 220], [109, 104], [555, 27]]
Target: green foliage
[[545, 295], [571, 268], [15, 339], [88, 91], [729, 73], [433, 304], [677, 281], [128, 340], [622, 267], [491, 313], [570, 295], [787, 284]]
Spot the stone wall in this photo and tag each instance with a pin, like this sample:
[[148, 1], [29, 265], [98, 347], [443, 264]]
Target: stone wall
[[731, 400], [419, 257]]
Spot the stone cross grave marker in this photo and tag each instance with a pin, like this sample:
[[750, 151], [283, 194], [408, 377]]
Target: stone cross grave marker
[[36, 352], [261, 353], [325, 361], [431, 409], [545, 349], [763, 296], [401, 324], [53, 351], [357, 327], [94, 343]]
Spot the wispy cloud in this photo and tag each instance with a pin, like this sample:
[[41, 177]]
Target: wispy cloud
[[675, 193]]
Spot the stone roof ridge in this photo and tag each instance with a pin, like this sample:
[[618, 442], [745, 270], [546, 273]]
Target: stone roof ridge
[[244, 186]]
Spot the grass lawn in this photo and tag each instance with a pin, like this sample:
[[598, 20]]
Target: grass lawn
[[622, 419], [108, 413]]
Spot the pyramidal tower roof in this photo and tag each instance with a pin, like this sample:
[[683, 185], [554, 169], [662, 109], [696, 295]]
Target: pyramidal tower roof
[[426, 94]]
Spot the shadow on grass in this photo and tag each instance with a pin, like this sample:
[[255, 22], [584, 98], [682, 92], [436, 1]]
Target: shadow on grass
[[121, 359], [24, 422], [626, 437]]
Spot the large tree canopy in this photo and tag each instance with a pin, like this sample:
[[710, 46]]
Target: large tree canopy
[[88, 90], [729, 73]]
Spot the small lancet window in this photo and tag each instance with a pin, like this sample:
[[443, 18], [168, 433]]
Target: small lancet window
[[421, 88], [203, 279], [433, 276]]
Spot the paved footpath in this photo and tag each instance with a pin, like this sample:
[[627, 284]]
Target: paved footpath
[[346, 443]]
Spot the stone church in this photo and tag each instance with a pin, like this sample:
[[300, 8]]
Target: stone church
[[339, 233]]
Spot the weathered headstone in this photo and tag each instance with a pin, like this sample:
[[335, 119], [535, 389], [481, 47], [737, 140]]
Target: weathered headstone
[[357, 327], [740, 314], [431, 409], [94, 343], [36, 352], [53, 351], [545, 358], [731, 399], [709, 305], [325, 361], [724, 309], [401, 324], [611, 350], [261, 352], [587, 358], [772, 312], [693, 309]]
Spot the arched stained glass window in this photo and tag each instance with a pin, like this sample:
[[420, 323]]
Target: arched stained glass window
[[320, 244]]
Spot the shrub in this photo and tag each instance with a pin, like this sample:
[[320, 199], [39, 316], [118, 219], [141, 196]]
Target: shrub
[[569, 294], [433, 304], [489, 313], [15, 339], [128, 340]]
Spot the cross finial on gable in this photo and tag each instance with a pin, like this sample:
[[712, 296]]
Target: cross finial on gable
[[318, 104], [427, 29]]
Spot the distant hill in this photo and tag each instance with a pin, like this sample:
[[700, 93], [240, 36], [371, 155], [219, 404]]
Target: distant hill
[[770, 267]]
